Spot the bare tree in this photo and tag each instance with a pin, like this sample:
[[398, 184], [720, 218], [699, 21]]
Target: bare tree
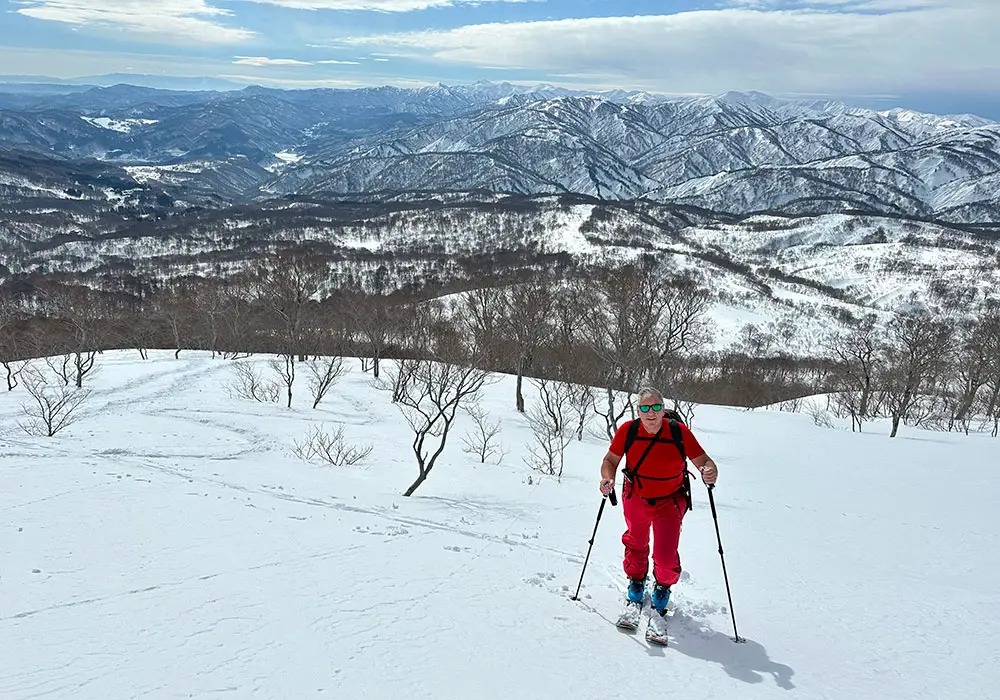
[[970, 371], [990, 335], [286, 284], [572, 357], [249, 384], [323, 374], [210, 305], [551, 427], [581, 403], [621, 330], [84, 364], [481, 316], [613, 405], [176, 309], [284, 367], [8, 341], [54, 408], [526, 325], [685, 409], [375, 318], [683, 324], [239, 314], [482, 440], [82, 315], [856, 352], [912, 359], [13, 370], [61, 366], [330, 448], [429, 399]]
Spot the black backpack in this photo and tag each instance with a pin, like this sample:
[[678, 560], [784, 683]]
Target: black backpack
[[673, 420]]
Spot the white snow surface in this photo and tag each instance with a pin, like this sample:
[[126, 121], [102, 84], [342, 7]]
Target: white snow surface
[[170, 545], [121, 125]]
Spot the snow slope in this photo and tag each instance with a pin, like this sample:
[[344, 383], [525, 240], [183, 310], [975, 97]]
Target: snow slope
[[170, 545]]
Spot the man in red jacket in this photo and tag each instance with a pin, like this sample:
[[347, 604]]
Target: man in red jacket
[[654, 494]]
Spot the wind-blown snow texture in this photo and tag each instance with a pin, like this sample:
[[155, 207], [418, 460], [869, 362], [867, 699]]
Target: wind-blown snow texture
[[169, 545]]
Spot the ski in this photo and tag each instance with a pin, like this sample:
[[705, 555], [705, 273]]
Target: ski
[[630, 616], [656, 628]]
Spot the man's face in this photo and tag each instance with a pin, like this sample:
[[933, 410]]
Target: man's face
[[651, 410]]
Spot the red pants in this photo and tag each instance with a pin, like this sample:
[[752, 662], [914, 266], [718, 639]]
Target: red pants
[[665, 518]]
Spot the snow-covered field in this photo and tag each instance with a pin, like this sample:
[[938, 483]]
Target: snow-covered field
[[169, 545]]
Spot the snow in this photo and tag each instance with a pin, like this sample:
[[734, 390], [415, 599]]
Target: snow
[[165, 173], [121, 125], [282, 161], [170, 545]]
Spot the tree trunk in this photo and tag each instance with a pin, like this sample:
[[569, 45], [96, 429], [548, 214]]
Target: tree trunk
[[520, 396], [895, 425], [416, 484]]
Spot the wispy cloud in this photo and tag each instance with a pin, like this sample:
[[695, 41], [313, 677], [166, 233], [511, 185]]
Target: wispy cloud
[[184, 21], [324, 82], [376, 5], [842, 5], [945, 46], [342, 63], [262, 61]]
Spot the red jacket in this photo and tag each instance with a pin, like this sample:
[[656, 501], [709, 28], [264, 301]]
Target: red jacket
[[663, 462]]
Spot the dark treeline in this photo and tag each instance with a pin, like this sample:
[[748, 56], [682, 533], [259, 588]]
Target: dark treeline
[[608, 329]]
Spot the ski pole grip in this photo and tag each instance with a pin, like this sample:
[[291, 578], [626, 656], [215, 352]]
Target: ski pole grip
[[613, 497]]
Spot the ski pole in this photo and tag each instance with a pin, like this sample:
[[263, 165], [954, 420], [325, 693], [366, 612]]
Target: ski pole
[[600, 511], [711, 499]]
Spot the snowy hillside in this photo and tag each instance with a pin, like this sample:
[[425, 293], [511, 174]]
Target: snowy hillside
[[169, 544], [806, 274]]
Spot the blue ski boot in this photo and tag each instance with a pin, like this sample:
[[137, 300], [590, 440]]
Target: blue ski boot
[[661, 596], [636, 589]]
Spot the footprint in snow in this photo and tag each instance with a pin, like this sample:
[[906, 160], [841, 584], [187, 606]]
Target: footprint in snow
[[540, 579]]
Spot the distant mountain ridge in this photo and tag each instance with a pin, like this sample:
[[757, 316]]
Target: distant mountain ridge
[[741, 153]]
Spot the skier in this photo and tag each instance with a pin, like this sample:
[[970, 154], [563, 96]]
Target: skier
[[656, 494]]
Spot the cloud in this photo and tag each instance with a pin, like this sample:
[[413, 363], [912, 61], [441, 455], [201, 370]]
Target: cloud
[[262, 61], [344, 63], [166, 20], [840, 5], [375, 5], [325, 82], [944, 46]]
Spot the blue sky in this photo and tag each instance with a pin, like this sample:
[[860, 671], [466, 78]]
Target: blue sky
[[938, 55]]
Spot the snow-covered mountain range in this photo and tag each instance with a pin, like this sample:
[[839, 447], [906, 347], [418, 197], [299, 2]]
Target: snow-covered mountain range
[[792, 213], [739, 153]]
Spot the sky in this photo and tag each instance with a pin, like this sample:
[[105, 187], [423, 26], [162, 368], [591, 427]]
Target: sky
[[937, 55]]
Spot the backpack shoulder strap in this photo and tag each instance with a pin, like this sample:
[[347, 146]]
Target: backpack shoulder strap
[[631, 434], [678, 437]]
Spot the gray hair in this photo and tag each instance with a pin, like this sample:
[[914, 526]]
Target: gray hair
[[647, 391]]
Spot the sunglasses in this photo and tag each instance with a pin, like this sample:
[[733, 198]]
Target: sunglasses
[[651, 407]]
